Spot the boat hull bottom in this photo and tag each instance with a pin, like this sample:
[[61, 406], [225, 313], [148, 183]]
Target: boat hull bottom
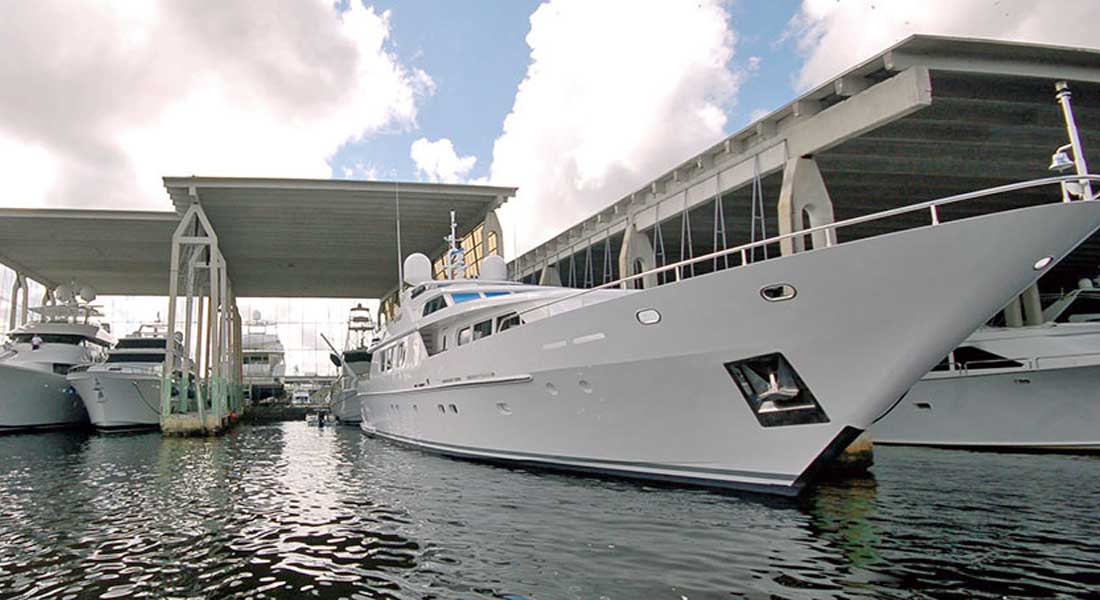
[[669, 474]]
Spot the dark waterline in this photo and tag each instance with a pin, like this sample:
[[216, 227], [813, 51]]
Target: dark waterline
[[289, 511]]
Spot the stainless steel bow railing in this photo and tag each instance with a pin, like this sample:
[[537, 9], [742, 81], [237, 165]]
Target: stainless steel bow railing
[[829, 230]]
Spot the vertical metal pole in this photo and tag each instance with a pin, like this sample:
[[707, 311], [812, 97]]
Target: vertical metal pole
[[223, 338], [400, 258], [189, 310], [719, 223], [1063, 97]]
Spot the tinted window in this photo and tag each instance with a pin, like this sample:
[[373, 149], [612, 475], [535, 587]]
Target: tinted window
[[465, 297], [975, 358], [464, 336], [508, 321], [47, 338], [493, 294], [357, 356], [136, 357], [141, 343], [434, 304], [1083, 309], [483, 329]]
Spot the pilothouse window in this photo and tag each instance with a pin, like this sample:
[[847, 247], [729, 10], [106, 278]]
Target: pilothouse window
[[483, 329], [508, 321], [464, 336], [437, 303]]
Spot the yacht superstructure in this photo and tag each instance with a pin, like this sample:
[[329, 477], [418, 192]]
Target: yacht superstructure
[[123, 392], [34, 392], [748, 377], [1031, 388]]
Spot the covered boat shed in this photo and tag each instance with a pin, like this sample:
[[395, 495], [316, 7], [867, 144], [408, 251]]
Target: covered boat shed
[[927, 118], [230, 237]]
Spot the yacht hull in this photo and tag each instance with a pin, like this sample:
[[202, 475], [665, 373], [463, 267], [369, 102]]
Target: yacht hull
[[1047, 410], [119, 401], [594, 389], [347, 408], [30, 398]]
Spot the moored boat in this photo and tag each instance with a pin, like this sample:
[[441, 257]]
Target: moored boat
[[354, 364], [750, 377], [34, 392], [1033, 388], [123, 392]]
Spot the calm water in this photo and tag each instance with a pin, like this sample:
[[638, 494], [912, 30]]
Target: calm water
[[288, 511]]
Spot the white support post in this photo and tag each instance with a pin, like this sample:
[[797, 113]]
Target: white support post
[[803, 191], [213, 358], [26, 300], [12, 324]]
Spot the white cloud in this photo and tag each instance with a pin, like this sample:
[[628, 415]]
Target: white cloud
[[837, 35], [438, 161], [116, 95], [615, 94]]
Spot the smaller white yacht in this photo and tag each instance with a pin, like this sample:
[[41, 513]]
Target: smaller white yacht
[[354, 364], [123, 393], [34, 362], [1015, 388], [263, 360]]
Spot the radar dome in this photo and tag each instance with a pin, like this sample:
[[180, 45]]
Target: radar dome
[[256, 315], [418, 269], [493, 268], [87, 293], [64, 293]]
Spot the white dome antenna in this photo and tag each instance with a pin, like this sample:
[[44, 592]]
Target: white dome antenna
[[493, 268], [64, 294], [418, 269]]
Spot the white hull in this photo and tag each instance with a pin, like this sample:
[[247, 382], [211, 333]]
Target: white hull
[[1052, 409], [347, 407], [593, 390], [32, 398], [119, 401]]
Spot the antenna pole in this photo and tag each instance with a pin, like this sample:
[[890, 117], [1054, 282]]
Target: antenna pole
[[1063, 97], [400, 265]]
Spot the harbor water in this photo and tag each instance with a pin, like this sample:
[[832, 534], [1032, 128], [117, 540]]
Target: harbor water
[[291, 511]]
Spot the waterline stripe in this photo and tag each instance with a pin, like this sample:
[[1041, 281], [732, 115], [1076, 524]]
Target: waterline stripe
[[580, 461]]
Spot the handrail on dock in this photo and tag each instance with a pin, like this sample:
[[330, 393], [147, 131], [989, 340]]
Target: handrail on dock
[[830, 229]]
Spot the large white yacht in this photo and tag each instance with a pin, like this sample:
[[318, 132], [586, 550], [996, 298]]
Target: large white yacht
[[750, 377], [34, 362], [354, 364], [1024, 388], [123, 393], [263, 360]]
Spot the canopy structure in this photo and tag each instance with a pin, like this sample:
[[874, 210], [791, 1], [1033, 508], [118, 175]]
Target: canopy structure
[[115, 251], [328, 238], [280, 237]]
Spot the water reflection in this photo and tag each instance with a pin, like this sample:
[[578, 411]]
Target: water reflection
[[290, 511]]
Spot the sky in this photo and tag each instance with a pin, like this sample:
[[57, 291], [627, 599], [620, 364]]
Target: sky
[[575, 102]]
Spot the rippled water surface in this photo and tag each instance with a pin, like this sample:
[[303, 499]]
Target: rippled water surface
[[288, 511]]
